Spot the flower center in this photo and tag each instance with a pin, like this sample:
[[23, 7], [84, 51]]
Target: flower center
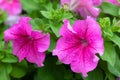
[[29, 38], [84, 42]]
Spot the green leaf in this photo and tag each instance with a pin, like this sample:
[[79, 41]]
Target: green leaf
[[49, 6], [50, 71], [106, 26], [104, 67], [118, 1], [8, 68], [119, 12], [110, 8], [39, 24], [109, 53], [114, 21], [109, 76], [68, 75], [116, 26], [19, 70], [108, 32], [58, 62], [56, 28], [2, 55], [66, 15], [93, 75], [29, 5], [116, 29], [116, 68], [78, 76], [104, 22], [3, 16], [35, 23], [3, 72], [115, 39], [46, 14], [9, 58], [52, 43]]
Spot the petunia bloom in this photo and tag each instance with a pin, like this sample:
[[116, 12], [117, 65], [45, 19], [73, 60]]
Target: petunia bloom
[[13, 7], [79, 44], [27, 43], [84, 7], [113, 2]]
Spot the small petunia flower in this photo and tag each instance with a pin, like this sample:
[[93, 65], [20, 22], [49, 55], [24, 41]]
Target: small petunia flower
[[84, 7], [27, 43], [113, 2], [13, 7], [79, 44]]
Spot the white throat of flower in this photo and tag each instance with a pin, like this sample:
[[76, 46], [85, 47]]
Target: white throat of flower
[[74, 4], [84, 42]]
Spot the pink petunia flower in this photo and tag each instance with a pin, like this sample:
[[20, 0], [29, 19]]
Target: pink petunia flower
[[13, 7], [27, 43], [113, 2], [79, 45], [84, 7]]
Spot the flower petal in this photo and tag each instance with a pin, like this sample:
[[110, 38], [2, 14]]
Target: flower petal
[[83, 63], [65, 49], [89, 11], [66, 29], [36, 57], [90, 30], [21, 48], [97, 2], [22, 28], [65, 2], [94, 36], [41, 41], [97, 46], [13, 8], [84, 7], [80, 27]]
